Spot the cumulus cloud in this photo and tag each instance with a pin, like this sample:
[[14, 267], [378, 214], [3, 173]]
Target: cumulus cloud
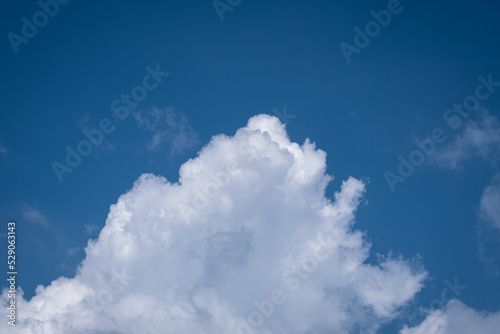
[[456, 318], [168, 127], [480, 138], [244, 242]]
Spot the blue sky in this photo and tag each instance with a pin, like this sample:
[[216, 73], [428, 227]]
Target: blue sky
[[277, 58]]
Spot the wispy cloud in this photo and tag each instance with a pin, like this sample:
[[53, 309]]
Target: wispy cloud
[[33, 215], [169, 128], [489, 227], [480, 138], [69, 255], [91, 228], [490, 202], [4, 149]]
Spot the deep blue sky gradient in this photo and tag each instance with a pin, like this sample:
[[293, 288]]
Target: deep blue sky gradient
[[264, 55]]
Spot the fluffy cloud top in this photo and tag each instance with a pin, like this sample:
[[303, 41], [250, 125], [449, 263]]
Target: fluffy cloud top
[[457, 318], [244, 242]]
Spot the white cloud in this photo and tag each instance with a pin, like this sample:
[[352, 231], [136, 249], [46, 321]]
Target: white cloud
[[168, 127], [489, 205], [33, 215], [457, 318], [489, 227], [480, 138], [245, 242]]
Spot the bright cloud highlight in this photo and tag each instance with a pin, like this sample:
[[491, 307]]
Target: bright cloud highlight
[[457, 318]]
